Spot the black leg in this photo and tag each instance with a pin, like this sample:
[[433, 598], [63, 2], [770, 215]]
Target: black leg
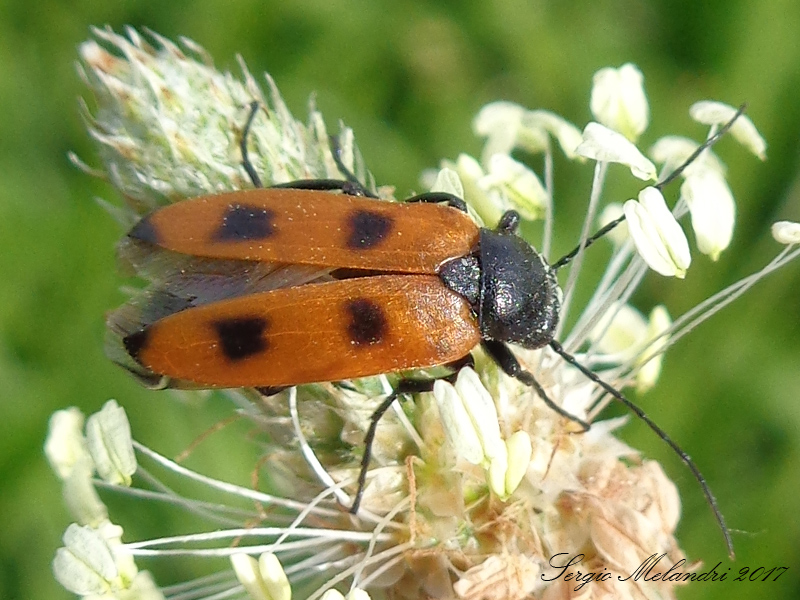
[[323, 185], [356, 188], [438, 197], [248, 166], [511, 367], [404, 386], [350, 185], [271, 390]]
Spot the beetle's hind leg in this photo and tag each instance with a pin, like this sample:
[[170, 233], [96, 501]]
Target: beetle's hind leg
[[404, 386], [438, 198], [248, 166], [350, 185], [272, 390], [325, 185], [353, 186], [506, 360]]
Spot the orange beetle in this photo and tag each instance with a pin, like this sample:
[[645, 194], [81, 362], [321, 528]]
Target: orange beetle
[[376, 287], [353, 327]]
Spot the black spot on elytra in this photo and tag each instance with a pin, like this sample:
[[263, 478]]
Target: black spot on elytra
[[367, 229], [241, 337], [242, 222], [367, 322], [135, 343], [145, 231]]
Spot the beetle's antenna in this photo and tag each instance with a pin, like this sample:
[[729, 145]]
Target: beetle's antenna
[[712, 502], [248, 166], [567, 258], [558, 349]]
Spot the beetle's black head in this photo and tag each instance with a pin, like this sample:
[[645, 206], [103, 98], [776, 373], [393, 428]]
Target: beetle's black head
[[519, 296]]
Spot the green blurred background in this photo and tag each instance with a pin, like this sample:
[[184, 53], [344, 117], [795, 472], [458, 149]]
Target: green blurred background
[[408, 77]]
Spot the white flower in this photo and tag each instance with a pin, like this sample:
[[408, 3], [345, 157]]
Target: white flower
[[354, 594], [507, 185], [508, 126], [448, 182], [519, 451], [624, 336], [786, 232], [500, 183], [92, 563], [520, 187], [469, 173], [619, 102], [710, 112], [470, 422], [649, 360], [620, 332], [501, 123], [469, 418], [85, 565], [618, 235], [68, 454], [81, 498], [673, 151], [513, 577], [108, 436], [604, 145], [106, 448], [657, 235], [264, 579], [568, 136], [713, 210], [65, 445], [705, 191], [457, 424]]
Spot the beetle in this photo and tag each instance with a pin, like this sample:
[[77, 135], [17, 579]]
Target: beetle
[[409, 285], [437, 286]]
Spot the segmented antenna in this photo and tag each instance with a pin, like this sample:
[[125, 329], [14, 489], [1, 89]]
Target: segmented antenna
[[567, 258], [559, 349]]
